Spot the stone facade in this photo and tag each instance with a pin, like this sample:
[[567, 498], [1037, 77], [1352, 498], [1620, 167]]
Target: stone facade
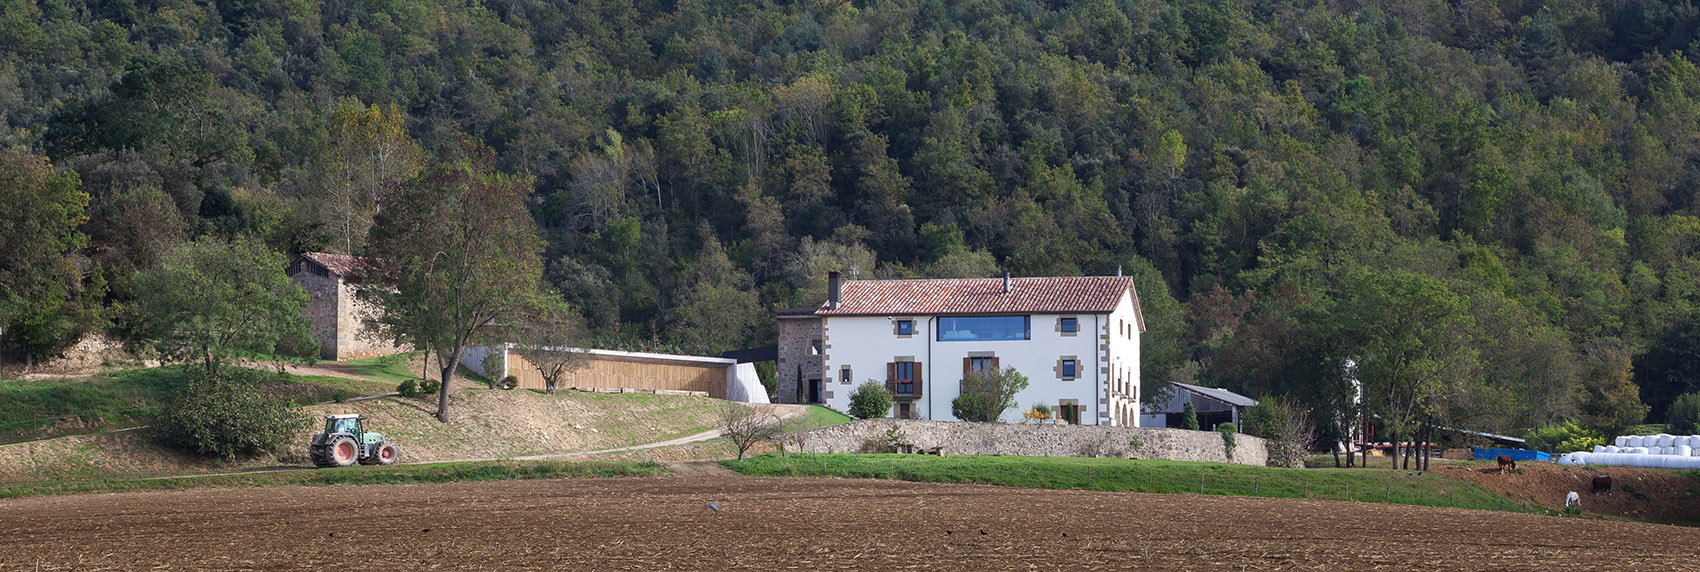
[[799, 363], [1036, 440], [336, 313]]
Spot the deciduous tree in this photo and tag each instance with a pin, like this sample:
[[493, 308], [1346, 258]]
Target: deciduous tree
[[454, 259], [213, 300]]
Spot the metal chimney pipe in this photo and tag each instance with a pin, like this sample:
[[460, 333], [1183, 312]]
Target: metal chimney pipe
[[834, 289], [1118, 270], [1006, 282]]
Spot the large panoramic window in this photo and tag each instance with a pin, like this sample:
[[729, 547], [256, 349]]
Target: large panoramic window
[[984, 328]]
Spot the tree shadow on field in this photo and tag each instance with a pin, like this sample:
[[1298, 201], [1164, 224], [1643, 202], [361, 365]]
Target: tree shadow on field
[[413, 403]]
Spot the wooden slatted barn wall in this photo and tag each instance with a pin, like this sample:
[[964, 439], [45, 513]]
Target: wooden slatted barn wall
[[613, 373]]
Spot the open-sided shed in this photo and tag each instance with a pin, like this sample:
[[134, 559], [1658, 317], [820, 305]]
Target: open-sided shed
[[1214, 406]]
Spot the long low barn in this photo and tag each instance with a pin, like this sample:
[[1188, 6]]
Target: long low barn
[[608, 370]]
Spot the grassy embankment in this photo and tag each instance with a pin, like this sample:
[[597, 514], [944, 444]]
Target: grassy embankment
[[396, 474], [1171, 477], [116, 400]]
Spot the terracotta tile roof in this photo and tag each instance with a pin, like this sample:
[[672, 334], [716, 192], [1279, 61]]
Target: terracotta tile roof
[[338, 264], [1049, 295]]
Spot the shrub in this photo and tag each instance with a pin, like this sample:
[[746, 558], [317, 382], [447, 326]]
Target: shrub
[[227, 416], [1570, 436], [1285, 426], [870, 400], [1685, 414], [409, 388], [1189, 417], [894, 437], [985, 395], [1228, 430], [494, 365], [430, 387], [508, 382]]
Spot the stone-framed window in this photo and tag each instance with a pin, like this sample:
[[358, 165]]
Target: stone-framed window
[[816, 347], [844, 375], [1068, 367], [1068, 326], [903, 328]]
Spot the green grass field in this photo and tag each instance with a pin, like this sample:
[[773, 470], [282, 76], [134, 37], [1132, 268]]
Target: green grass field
[[391, 368], [357, 475], [1171, 477], [37, 409], [821, 417]]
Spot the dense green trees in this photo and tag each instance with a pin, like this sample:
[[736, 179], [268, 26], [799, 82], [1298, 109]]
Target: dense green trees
[[213, 300], [43, 297], [1527, 171]]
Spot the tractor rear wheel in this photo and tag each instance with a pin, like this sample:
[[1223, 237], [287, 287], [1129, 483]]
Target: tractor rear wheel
[[321, 455], [336, 452]]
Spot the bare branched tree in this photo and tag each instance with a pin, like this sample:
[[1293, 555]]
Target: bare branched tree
[[547, 342], [747, 425]]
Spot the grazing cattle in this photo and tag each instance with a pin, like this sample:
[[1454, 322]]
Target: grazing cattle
[[1506, 461], [1602, 485], [1572, 499]]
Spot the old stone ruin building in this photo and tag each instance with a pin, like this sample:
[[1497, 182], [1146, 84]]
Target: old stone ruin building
[[335, 312]]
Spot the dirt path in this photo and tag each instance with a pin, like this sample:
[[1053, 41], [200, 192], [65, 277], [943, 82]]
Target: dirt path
[[700, 469], [808, 524], [785, 412]]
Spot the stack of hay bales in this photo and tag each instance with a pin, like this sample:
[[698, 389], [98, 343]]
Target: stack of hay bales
[[1657, 451]]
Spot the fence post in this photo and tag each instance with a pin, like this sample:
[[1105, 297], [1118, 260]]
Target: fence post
[[1254, 486], [1348, 492], [1307, 489], [1201, 480]]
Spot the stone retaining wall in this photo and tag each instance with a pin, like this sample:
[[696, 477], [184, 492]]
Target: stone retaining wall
[[1033, 440]]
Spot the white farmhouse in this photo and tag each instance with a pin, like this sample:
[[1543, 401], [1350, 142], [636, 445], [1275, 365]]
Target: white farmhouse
[[1075, 338]]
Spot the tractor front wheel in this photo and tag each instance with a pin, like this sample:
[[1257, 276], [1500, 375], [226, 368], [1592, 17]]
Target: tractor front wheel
[[387, 453]]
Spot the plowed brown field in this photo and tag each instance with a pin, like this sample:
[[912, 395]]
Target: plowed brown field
[[804, 524]]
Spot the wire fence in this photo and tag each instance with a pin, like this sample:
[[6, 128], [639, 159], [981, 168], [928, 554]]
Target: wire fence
[[1353, 485]]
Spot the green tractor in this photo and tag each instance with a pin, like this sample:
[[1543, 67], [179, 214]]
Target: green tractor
[[345, 442]]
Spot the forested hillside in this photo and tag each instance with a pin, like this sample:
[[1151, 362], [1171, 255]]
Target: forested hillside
[[1497, 202]]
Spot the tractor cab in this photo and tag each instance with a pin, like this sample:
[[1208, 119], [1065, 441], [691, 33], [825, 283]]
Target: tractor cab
[[343, 424]]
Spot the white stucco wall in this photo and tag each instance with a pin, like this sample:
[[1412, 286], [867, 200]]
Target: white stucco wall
[[1122, 389], [743, 385], [867, 344]]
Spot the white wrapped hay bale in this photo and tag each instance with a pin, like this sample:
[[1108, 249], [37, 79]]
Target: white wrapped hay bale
[[1621, 441], [1683, 451], [1632, 441], [1664, 440]]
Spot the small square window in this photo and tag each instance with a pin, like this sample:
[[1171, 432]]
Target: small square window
[[816, 348], [1068, 368], [905, 327], [1070, 325]]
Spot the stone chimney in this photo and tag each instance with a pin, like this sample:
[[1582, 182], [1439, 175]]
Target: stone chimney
[[1006, 282], [834, 289]]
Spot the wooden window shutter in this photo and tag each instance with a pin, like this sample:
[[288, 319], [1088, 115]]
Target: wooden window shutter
[[994, 363], [966, 364], [917, 376], [891, 371]]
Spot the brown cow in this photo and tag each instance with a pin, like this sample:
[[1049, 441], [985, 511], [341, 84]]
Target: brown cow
[[1506, 461], [1602, 485]]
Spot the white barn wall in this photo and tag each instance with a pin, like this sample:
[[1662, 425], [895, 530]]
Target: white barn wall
[[868, 343]]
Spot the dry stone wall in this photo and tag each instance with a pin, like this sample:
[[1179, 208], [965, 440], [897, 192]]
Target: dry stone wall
[[957, 438]]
